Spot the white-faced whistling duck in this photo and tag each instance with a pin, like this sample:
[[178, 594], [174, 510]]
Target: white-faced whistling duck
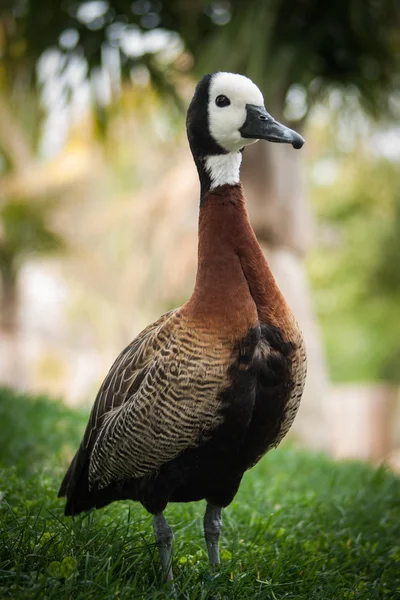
[[205, 391]]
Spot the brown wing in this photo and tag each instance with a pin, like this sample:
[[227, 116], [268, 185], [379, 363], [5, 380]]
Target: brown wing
[[125, 376], [145, 417], [121, 383]]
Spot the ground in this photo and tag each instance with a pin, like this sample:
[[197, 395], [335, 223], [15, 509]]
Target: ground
[[301, 527]]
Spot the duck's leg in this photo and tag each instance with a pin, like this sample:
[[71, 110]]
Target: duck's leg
[[164, 536], [212, 532]]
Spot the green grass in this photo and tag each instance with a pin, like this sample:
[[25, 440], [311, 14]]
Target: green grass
[[301, 527]]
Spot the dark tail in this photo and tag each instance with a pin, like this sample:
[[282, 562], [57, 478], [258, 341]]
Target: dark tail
[[75, 485]]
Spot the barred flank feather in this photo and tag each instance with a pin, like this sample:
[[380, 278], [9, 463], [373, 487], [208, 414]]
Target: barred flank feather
[[176, 406]]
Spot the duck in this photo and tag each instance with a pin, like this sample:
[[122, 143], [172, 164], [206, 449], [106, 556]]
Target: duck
[[204, 392]]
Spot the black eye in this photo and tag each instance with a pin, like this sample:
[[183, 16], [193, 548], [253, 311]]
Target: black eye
[[222, 101]]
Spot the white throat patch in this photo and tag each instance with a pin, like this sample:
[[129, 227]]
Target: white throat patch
[[224, 168]]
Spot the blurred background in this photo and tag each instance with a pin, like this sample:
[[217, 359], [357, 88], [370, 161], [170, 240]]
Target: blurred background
[[99, 194]]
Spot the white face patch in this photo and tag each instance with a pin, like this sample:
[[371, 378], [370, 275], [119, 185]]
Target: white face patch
[[224, 168], [225, 122]]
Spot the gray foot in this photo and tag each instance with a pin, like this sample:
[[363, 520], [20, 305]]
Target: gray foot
[[164, 536], [212, 532]]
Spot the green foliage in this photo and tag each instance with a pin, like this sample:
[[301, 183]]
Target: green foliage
[[355, 267], [301, 527], [25, 233], [314, 45], [277, 43]]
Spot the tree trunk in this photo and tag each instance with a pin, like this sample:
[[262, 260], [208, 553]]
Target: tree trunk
[[10, 356], [275, 189]]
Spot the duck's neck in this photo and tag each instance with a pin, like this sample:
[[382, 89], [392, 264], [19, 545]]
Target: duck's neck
[[216, 170], [234, 284]]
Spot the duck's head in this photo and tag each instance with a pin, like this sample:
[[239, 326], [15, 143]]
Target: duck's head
[[226, 114]]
